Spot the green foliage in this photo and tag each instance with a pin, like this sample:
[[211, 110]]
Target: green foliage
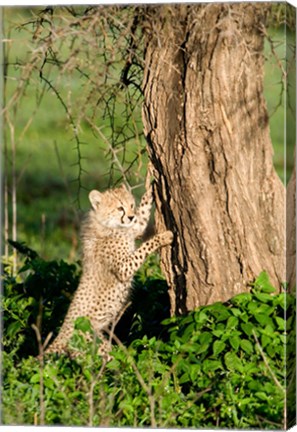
[[222, 365], [150, 304], [48, 166], [39, 295], [241, 355]]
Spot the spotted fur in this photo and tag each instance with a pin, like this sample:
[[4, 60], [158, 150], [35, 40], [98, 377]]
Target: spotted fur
[[109, 260]]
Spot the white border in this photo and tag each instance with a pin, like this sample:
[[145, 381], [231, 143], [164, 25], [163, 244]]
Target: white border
[[4, 3]]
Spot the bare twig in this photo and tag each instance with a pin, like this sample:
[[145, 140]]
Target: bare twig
[[147, 388], [278, 60], [278, 384], [96, 377], [41, 348], [75, 134], [6, 200], [14, 187]]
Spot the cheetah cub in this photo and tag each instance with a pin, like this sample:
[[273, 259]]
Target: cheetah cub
[[109, 260]]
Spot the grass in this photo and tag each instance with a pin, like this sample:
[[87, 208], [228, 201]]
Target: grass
[[46, 162], [280, 116]]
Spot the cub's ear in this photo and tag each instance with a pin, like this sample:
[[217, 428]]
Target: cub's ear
[[95, 199]]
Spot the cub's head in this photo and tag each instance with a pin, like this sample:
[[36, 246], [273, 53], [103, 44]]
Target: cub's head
[[114, 208]]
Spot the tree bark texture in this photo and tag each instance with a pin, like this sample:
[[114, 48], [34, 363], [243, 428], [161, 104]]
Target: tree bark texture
[[291, 153], [206, 123], [291, 233]]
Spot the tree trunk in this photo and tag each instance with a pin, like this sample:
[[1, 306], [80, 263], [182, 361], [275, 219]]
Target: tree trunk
[[291, 233], [290, 117], [206, 124]]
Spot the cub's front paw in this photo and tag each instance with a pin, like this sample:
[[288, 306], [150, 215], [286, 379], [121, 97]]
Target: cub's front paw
[[166, 238]]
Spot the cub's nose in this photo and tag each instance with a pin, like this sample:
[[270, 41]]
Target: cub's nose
[[131, 218]]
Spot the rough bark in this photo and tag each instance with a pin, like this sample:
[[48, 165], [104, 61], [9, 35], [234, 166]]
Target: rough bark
[[206, 124], [290, 117], [291, 233]]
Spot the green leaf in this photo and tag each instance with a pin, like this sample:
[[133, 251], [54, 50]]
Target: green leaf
[[87, 374], [236, 312], [211, 365], [263, 283], [13, 329], [35, 378], [232, 322], [247, 346], [234, 342], [290, 322], [218, 333], [241, 299], [189, 330], [218, 347], [233, 362], [184, 378], [271, 350], [262, 297], [205, 338], [50, 370], [269, 330], [281, 323], [263, 319], [244, 317], [253, 306], [262, 395], [49, 383], [283, 339], [265, 340], [83, 324], [200, 317], [202, 348], [251, 368], [77, 341], [195, 370], [247, 328], [177, 344], [280, 300], [190, 347], [266, 309], [219, 311]]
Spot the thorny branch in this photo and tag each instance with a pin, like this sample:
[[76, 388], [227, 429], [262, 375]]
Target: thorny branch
[[90, 61], [106, 54], [41, 348], [102, 48]]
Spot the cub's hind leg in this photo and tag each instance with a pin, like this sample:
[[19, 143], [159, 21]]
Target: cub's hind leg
[[77, 309], [60, 344]]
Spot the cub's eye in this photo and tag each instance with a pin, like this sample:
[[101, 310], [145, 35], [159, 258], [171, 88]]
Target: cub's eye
[[121, 209]]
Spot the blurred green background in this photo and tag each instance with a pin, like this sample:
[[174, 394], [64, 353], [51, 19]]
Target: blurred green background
[[46, 155]]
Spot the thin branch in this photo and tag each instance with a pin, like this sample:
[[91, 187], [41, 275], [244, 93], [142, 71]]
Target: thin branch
[[75, 133], [41, 348], [146, 387], [276, 381], [278, 60], [14, 187]]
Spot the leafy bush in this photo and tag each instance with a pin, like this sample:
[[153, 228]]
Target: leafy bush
[[40, 295], [236, 351], [221, 365]]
